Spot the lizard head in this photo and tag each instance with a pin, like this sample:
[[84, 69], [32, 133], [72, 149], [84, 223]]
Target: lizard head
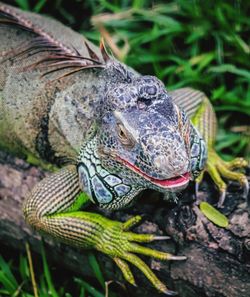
[[142, 141], [145, 135]]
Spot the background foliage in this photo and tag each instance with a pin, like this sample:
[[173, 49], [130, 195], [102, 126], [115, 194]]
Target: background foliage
[[201, 44]]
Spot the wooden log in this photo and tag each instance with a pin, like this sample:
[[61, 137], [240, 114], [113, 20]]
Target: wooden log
[[218, 261]]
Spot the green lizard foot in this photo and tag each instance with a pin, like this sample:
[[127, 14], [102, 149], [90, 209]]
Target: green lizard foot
[[119, 243], [218, 169]]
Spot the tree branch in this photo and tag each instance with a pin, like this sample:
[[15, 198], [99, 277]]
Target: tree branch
[[218, 259]]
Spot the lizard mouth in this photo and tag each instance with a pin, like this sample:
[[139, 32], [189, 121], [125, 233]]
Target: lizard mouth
[[174, 182]]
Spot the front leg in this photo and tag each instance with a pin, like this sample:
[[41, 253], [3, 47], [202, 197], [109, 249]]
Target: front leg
[[205, 121], [54, 206], [218, 168], [202, 115]]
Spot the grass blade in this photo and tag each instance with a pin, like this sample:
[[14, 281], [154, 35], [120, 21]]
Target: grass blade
[[47, 274], [32, 274], [89, 288], [6, 271], [96, 269]]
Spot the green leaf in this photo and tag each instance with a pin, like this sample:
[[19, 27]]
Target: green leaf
[[227, 140], [24, 4], [47, 274], [5, 269], [214, 215], [82, 292], [39, 5], [6, 282], [24, 268], [4, 292], [231, 69], [233, 108], [89, 288], [218, 93], [96, 268]]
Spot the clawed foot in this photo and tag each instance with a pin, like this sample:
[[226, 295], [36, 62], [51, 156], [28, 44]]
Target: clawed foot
[[218, 169], [119, 243]]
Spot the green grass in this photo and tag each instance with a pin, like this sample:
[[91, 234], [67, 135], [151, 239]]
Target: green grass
[[201, 44], [16, 279]]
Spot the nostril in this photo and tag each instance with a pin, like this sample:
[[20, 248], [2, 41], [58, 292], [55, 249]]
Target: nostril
[[161, 162], [172, 165]]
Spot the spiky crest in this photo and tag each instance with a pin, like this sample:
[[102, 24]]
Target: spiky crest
[[60, 57]]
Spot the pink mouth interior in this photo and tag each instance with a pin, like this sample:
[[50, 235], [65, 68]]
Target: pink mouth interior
[[177, 181]]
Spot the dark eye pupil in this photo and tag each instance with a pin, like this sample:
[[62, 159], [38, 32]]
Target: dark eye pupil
[[122, 133]]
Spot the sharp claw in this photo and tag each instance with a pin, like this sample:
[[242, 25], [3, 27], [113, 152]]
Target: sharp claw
[[196, 188], [161, 237], [221, 199], [170, 293], [177, 258], [245, 189]]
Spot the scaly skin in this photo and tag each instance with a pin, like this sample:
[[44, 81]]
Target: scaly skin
[[123, 131], [202, 115], [205, 121], [45, 210]]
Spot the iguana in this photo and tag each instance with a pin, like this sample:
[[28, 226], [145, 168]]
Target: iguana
[[113, 131]]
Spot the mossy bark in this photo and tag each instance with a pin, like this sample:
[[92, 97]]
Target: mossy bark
[[218, 259]]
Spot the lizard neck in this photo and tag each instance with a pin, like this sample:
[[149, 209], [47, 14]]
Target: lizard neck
[[106, 189]]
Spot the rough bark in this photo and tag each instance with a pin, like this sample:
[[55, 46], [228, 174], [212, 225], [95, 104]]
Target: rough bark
[[218, 259]]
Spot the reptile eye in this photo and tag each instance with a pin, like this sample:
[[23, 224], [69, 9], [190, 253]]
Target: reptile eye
[[124, 136], [121, 132]]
